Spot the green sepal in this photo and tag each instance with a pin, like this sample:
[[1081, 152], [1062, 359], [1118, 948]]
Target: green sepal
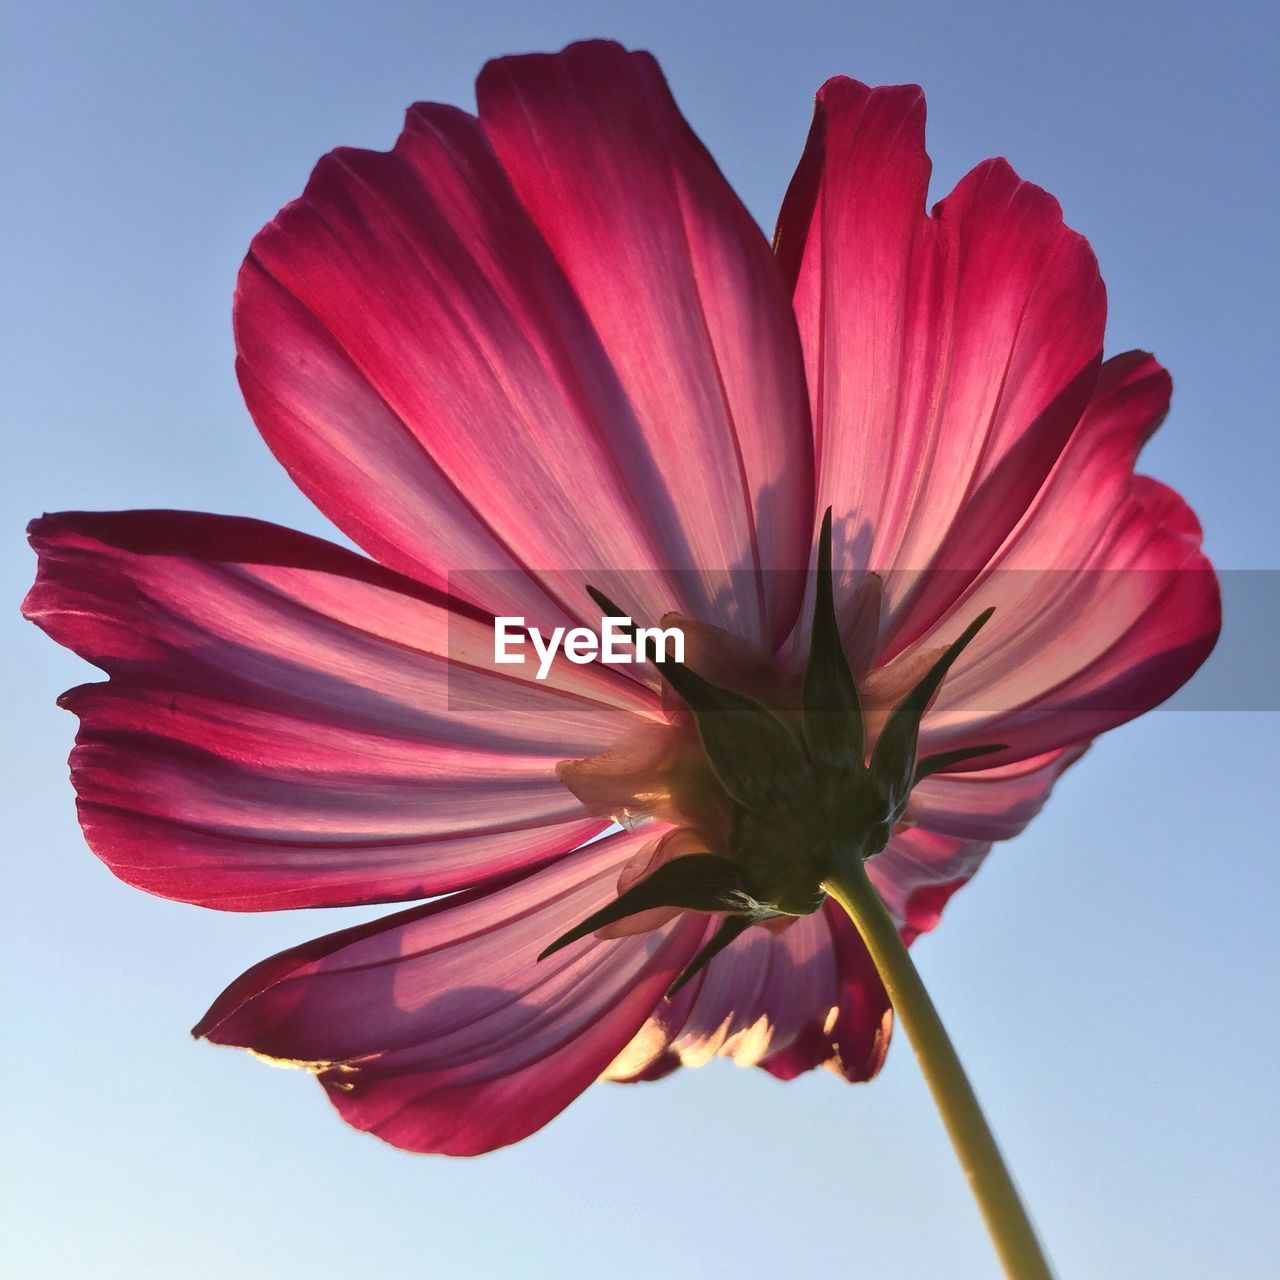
[[754, 755], [833, 725], [945, 759], [730, 928], [695, 882], [893, 762], [607, 608]]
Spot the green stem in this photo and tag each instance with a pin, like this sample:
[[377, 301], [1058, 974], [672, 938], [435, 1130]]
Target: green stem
[[984, 1167]]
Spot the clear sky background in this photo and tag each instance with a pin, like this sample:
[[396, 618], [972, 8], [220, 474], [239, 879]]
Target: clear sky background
[[1110, 975]]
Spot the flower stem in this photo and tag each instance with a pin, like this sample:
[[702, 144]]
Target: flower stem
[[1007, 1221]]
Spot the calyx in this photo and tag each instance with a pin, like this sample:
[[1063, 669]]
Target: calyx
[[802, 799]]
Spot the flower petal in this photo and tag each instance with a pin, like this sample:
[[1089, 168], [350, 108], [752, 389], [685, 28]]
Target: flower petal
[[988, 804], [288, 724], [593, 338], [787, 999], [953, 819], [684, 294], [949, 357], [852, 1037], [438, 1030], [919, 871], [1104, 601], [1104, 605]]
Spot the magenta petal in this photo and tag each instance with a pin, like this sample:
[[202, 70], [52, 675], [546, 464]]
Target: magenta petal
[[948, 356], [1104, 602], [284, 726], [851, 1038], [788, 999], [989, 804], [684, 294], [438, 1030], [917, 865], [585, 329], [543, 347]]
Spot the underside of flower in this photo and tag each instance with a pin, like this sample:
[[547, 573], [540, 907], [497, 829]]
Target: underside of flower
[[784, 796], [545, 345]]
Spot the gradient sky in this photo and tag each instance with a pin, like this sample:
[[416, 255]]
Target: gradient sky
[[1109, 976]]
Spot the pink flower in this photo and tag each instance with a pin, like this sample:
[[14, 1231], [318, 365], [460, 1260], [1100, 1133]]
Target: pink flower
[[546, 347]]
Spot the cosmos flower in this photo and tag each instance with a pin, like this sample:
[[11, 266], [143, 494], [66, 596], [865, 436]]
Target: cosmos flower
[[545, 348]]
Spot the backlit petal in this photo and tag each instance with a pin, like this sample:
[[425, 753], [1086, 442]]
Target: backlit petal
[[949, 356], [438, 1029], [918, 872], [572, 355], [1104, 602], [289, 724], [988, 804], [788, 999]]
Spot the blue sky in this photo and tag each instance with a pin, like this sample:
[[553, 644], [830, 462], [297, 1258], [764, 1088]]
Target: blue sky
[[1109, 976]]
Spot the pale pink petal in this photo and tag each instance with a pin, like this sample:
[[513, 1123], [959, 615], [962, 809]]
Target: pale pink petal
[[438, 1029], [1104, 602], [289, 724], [624, 783], [949, 356], [594, 371]]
